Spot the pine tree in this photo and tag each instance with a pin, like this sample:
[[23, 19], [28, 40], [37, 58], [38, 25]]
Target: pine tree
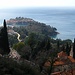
[[74, 49]]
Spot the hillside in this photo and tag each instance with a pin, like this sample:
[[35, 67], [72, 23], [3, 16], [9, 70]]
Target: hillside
[[35, 54]]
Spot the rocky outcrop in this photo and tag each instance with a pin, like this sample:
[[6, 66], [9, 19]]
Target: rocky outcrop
[[14, 54]]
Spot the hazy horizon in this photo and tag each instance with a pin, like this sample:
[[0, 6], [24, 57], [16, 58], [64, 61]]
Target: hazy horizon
[[5, 4]]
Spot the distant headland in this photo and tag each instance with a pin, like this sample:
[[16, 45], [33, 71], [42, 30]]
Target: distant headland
[[33, 26]]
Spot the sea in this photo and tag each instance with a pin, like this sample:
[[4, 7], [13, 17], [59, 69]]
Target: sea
[[61, 18]]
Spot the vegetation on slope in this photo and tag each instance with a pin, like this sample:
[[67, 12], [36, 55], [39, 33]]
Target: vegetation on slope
[[36, 47]]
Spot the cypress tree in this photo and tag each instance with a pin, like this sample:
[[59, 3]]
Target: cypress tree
[[67, 49], [47, 44], [63, 47], [74, 49], [4, 44], [58, 44]]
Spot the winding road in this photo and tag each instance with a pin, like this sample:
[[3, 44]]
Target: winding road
[[18, 37], [13, 32]]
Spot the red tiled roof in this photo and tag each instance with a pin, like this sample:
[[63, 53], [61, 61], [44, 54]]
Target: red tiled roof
[[71, 72], [58, 63], [55, 64], [62, 62], [62, 54], [71, 59]]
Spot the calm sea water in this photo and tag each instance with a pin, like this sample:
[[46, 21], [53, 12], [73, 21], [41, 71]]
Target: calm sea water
[[62, 19]]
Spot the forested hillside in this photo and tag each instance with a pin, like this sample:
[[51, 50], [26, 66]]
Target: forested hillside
[[37, 53]]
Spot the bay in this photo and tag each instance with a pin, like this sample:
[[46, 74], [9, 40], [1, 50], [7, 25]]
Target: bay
[[62, 19]]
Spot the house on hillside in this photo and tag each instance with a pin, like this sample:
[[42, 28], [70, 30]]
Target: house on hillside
[[64, 64]]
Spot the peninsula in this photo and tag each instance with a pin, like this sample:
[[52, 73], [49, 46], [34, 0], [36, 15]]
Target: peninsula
[[33, 26]]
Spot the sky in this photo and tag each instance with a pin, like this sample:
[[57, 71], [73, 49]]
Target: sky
[[36, 3]]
